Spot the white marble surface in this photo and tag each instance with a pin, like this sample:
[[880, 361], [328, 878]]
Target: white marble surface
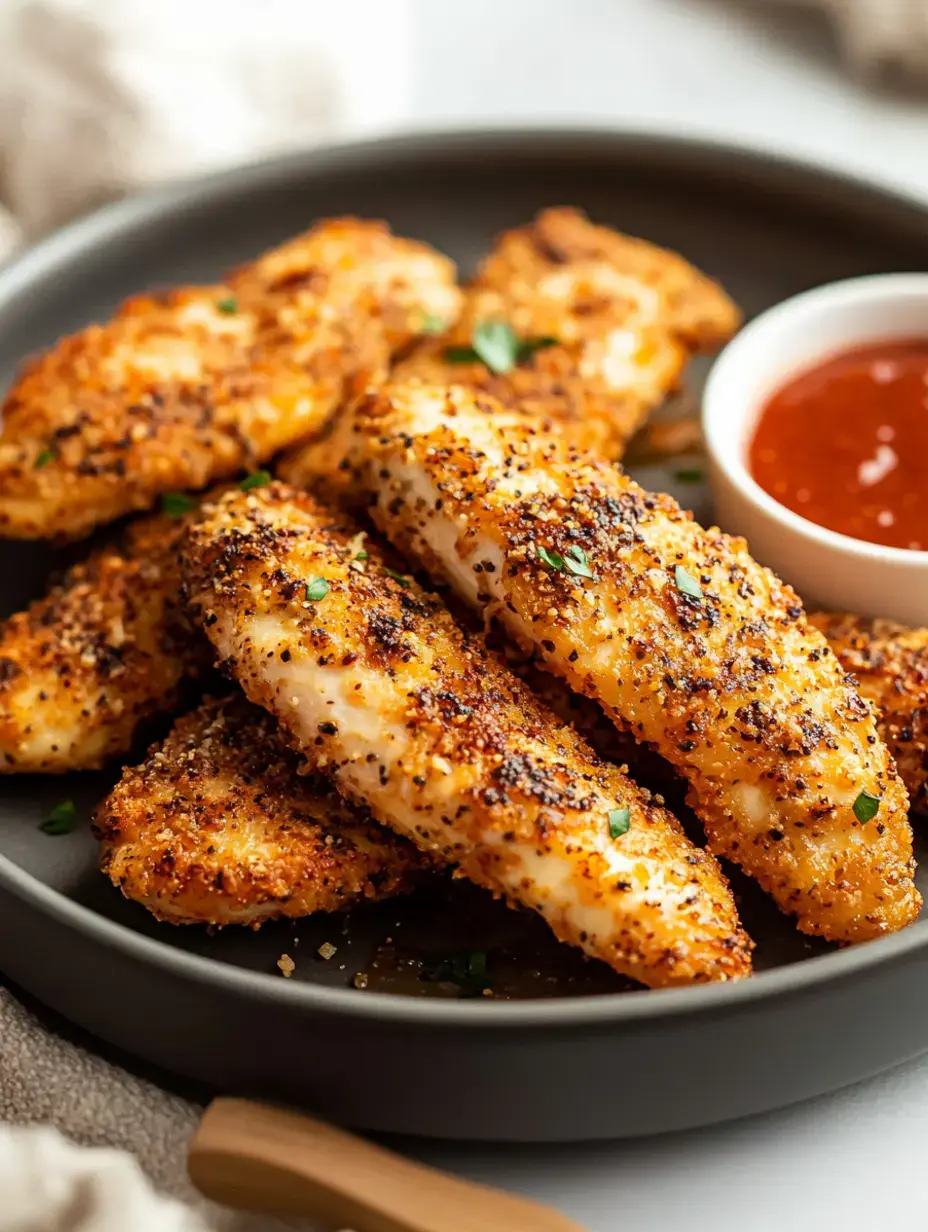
[[768, 77]]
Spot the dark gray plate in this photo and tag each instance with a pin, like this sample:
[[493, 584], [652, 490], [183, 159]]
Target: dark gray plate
[[592, 1059]]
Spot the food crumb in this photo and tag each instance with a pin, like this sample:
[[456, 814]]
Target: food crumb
[[360, 980], [287, 965], [327, 950]]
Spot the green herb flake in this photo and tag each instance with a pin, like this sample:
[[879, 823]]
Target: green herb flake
[[61, 820], [317, 589], [690, 475], [686, 583], [619, 821], [257, 479], [554, 560], [461, 355], [577, 561], [432, 324], [397, 577], [866, 807], [228, 306], [468, 970], [43, 457], [528, 347], [362, 556], [176, 504], [497, 344]]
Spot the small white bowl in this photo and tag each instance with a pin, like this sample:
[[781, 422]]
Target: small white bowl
[[827, 569]]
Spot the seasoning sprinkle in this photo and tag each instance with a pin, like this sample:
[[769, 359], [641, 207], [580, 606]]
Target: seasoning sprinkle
[[362, 556], [686, 583], [397, 577], [690, 475], [61, 820], [228, 306], [43, 457], [317, 589], [176, 504], [619, 821], [432, 324], [866, 807], [257, 479]]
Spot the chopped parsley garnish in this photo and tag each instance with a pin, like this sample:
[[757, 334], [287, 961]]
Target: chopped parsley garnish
[[317, 589], [43, 458], [577, 561], [619, 821], [229, 305], [461, 355], [496, 344], [574, 560], [257, 479], [61, 820], [176, 504], [866, 807], [686, 583], [432, 324], [690, 475], [397, 577], [468, 970], [362, 556]]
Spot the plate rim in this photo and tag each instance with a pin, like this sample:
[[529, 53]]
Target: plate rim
[[811, 975]]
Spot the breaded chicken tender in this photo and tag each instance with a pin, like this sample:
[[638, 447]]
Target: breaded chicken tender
[[417, 720], [219, 826], [687, 642], [890, 665], [106, 648], [601, 326], [187, 387], [625, 316]]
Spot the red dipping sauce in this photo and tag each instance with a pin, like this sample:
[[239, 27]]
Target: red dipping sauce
[[845, 444]]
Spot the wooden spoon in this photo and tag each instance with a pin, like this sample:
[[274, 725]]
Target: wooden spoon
[[265, 1159]]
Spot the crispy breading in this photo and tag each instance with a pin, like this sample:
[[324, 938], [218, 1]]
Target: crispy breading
[[890, 664], [359, 267], [691, 645], [219, 826], [193, 385], [107, 647], [417, 720], [626, 316]]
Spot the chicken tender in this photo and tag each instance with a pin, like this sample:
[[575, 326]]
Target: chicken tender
[[219, 825], [596, 330], [688, 643], [890, 665], [194, 385], [417, 720], [625, 316], [105, 649]]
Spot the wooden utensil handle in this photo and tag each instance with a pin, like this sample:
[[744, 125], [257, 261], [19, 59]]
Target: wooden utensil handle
[[266, 1159]]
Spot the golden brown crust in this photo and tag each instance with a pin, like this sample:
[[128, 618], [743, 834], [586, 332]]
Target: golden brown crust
[[194, 385], [418, 720], [691, 645], [103, 650], [890, 665], [219, 826], [627, 315]]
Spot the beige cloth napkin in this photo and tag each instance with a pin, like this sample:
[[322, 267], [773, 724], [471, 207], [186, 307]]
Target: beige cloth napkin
[[46, 1185]]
